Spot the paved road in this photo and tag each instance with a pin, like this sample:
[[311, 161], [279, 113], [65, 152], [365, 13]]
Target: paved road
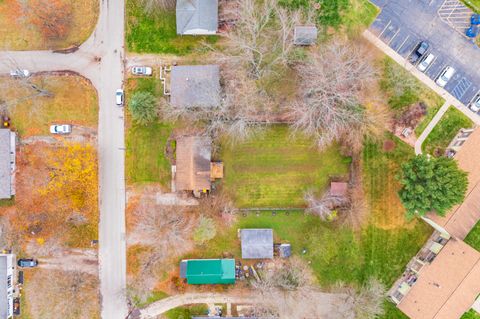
[[107, 75]]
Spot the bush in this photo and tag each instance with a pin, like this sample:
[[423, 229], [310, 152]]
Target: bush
[[205, 230], [143, 108]]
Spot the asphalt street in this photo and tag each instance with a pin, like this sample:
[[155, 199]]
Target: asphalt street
[[402, 24]]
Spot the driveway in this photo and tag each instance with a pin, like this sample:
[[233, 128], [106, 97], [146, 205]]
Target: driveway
[[107, 43], [403, 24]]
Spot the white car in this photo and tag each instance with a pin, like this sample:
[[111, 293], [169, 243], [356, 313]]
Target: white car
[[19, 73], [61, 129], [422, 66], [445, 76], [475, 105], [142, 70], [119, 97]]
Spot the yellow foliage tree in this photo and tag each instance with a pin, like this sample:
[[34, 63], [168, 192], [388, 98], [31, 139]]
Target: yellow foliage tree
[[74, 177]]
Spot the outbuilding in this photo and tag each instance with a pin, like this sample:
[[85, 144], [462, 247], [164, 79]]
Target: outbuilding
[[208, 271], [197, 17], [257, 243]]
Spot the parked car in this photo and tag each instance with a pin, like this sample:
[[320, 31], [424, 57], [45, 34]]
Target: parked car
[[16, 306], [445, 76], [142, 70], [475, 19], [473, 31], [425, 63], [27, 262], [419, 52], [119, 97], [19, 73], [61, 129], [475, 105]]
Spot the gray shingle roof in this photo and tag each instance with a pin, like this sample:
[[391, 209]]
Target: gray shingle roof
[[197, 16], [6, 159], [305, 35], [257, 243], [195, 86]]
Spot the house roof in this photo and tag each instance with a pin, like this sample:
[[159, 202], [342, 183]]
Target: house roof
[[305, 35], [195, 86], [338, 188], [210, 271], [6, 158], [257, 243], [197, 17], [447, 287], [193, 156], [462, 218]]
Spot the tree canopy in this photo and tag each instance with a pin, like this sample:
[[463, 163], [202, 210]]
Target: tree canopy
[[143, 107], [431, 184]]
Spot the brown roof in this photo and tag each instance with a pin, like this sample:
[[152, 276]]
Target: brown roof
[[338, 188], [193, 163], [462, 218], [447, 287]]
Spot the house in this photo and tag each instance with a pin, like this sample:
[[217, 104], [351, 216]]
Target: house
[[7, 163], [197, 17], [194, 86], [7, 266], [257, 243], [305, 35], [208, 271]]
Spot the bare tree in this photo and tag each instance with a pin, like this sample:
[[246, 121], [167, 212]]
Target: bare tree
[[72, 294], [325, 207], [331, 80], [365, 302], [155, 6]]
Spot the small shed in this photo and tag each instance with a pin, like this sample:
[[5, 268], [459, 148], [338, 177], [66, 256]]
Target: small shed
[[305, 35], [197, 17], [194, 86], [257, 243], [208, 271], [339, 189], [284, 250]]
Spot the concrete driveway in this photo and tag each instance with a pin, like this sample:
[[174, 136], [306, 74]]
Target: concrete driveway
[[402, 24]]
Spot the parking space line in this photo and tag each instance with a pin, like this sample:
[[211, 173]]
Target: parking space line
[[403, 43], [393, 36], [388, 24]]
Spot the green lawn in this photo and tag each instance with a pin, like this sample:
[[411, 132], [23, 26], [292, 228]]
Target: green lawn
[[443, 133], [473, 238], [145, 144], [157, 33], [474, 4], [402, 90], [187, 312], [274, 169], [359, 15], [471, 314]]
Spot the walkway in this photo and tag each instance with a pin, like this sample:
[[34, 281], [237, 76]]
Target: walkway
[[430, 126], [107, 43]]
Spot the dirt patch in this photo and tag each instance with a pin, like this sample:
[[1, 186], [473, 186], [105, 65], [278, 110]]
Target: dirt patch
[[389, 145]]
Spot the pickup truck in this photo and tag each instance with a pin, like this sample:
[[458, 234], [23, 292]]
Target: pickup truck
[[420, 50]]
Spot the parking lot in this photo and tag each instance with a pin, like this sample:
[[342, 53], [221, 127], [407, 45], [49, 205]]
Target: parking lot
[[403, 24]]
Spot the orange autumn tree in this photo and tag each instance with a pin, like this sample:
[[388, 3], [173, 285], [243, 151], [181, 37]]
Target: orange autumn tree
[[74, 178], [51, 17]]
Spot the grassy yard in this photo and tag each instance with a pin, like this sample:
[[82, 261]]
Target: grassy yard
[[443, 133], [473, 238], [74, 101], [403, 90], [145, 154], [471, 314], [359, 15], [157, 33], [474, 4], [274, 169], [17, 33], [187, 312]]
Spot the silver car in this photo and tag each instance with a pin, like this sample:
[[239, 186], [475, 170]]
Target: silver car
[[475, 105], [61, 129], [142, 70], [445, 76]]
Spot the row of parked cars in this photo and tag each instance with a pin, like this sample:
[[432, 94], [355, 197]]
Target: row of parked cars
[[422, 58]]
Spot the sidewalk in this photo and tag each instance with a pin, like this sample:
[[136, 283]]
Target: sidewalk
[[430, 126]]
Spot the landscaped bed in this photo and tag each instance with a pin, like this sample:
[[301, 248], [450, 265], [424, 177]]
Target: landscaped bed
[[446, 129], [18, 33], [275, 168]]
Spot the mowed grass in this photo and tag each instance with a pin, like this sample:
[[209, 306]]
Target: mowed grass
[[473, 4], [74, 101], [446, 129], [473, 238], [359, 15], [17, 33], [275, 168], [156, 33], [145, 154]]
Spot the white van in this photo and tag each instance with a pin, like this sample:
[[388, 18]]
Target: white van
[[445, 76], [422, 66]]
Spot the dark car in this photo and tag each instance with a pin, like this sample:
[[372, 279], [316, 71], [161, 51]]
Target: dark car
[[475, 19], [420, 50], [24, 262], [16, 306], [472, 32]]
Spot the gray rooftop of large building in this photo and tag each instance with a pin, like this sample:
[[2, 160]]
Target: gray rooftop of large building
[[197, 16], [6, 187], [195, 86], [6, 262], [305, 35], [257, 243]]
